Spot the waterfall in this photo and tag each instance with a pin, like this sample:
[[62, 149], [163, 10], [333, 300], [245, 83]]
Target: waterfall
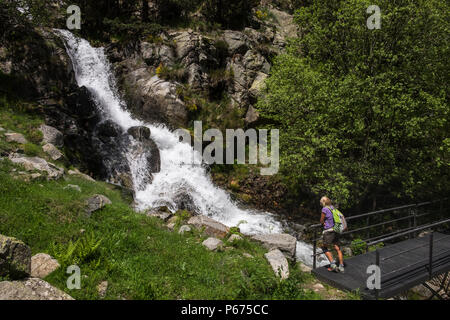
[[93, 71]]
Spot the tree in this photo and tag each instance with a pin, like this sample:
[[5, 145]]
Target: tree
[[233, 14], [364, 113]]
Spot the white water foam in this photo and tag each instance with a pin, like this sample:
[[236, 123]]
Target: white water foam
[[93, 71]]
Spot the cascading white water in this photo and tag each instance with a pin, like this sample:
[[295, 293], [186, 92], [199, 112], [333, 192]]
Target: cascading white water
[[93, 71]]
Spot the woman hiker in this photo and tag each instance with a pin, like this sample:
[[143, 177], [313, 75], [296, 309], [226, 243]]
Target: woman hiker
[[330, 237]]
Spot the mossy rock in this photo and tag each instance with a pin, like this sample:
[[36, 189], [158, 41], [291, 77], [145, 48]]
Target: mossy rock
[[15, 258]]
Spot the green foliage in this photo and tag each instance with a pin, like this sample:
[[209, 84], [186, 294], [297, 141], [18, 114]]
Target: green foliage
[[41, 11], [354, 295], [136, 254], [358, 247], [230, 14], [35, 135], [176, 72], [131, 29], [290, 289], [32, 150], [357, 117], [85, 250]]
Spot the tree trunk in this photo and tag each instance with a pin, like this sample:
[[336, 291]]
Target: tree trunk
[[144, 13]]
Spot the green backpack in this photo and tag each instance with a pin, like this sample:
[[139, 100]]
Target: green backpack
[[340, 225]]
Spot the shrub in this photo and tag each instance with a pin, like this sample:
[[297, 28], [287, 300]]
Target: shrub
[[172, 73], [32, 150], [35, 135], [358, 246]]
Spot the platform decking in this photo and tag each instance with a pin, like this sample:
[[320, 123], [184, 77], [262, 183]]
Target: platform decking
[[400, 270]]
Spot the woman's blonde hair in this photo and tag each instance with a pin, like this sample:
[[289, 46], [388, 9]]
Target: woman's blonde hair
[[325, 201]]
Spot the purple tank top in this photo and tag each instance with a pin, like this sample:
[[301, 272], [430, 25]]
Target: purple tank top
[[329, 221]]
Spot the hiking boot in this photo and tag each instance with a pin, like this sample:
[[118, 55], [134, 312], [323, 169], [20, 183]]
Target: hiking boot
[[332, 267], [341, 268]]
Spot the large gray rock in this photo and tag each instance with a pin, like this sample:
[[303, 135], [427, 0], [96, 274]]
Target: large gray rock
[[154, 54], [255, 62], [162, 213], [213, 244], [184, 201], [258, 84], [39, 164], [184, 229], [15, 137], [211, 227], [52, 135], [140, 133], [252, 115], [286, 27], [31, 289], [196, 78], [278, 262], [15, 258], [193, 47], [246, 68], [237, 41], [145, 146], [52, 151], [42, 265], [96, 202], [77, 172], [155, 99], [284, 242]]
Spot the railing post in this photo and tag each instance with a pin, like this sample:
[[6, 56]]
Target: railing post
[[415, 220], [377, 263], [314, 249], [368, 230], [430, 269]]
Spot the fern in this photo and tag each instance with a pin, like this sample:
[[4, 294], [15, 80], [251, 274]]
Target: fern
[[84, 250]]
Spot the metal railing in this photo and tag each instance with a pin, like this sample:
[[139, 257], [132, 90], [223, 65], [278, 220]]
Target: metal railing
[[411, 230], [439, 257]]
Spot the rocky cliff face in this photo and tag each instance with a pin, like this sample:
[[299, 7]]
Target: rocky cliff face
[[228, 63], [156, 75], [35, 67]]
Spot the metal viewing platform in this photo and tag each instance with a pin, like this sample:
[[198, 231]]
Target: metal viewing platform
[[410, 255]]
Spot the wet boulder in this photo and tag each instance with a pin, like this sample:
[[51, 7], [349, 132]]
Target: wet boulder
[[109, 129], [184, 201], [140, 133], [286, 243], [146, 145]]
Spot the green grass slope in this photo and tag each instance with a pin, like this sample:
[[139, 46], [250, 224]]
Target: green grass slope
[[138, 256]]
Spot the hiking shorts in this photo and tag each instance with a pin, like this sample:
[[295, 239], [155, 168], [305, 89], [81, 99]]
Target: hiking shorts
[[330, 238]]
